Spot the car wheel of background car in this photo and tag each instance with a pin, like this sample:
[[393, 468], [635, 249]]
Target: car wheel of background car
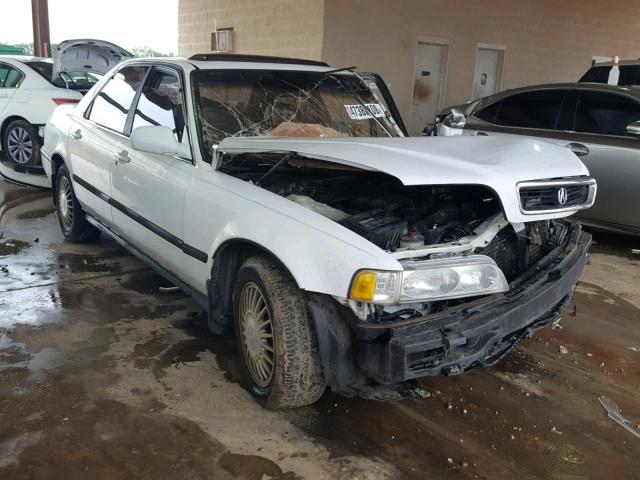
[[275, 336], [21, 144], [73, 222]]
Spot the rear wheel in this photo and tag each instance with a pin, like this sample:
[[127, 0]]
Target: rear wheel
[[73, 222], [275, 336], [21, 144]]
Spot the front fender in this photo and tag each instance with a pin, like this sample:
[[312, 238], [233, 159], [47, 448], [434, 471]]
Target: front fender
[[320, 254]]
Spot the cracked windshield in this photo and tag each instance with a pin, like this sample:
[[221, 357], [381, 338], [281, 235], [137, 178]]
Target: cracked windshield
[[286, 104]]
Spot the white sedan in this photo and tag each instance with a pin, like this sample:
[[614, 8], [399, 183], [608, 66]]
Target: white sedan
[[32, 87], [284, 197]]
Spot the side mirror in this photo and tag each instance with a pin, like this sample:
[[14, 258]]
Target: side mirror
[[429, 130], [633, 129], [159, 140]]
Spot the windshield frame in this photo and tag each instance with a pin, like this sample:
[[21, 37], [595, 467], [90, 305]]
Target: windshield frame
[[355, 94]]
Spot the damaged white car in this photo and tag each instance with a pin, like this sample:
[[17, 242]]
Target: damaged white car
[[283, 196]]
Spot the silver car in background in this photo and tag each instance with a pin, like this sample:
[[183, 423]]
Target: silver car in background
[[599, 123]]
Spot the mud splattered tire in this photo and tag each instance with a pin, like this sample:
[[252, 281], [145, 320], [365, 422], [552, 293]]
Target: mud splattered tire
[[275, 336], [73, 222], [21, 144]]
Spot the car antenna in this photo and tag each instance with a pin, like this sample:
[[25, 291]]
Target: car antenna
[[285, 158]]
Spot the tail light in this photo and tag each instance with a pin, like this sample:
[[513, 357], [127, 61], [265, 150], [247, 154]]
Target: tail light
[[65, 101]]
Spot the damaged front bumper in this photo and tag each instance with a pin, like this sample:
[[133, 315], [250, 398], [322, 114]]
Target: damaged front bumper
[[476, 333]]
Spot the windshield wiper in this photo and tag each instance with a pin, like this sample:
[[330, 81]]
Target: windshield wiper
[[356, 96]]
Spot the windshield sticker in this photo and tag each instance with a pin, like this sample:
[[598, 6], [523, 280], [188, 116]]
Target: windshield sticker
[[363, 112]]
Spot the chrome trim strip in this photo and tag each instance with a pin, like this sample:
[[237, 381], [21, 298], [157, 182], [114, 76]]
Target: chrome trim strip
[[556, 182]]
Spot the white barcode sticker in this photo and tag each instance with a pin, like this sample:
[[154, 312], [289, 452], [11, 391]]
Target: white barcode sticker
[[363, 112]]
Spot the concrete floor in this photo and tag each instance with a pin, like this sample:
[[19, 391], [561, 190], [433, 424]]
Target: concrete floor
[[104, 377]]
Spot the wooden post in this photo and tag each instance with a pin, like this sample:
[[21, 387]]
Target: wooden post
[[40, 18]]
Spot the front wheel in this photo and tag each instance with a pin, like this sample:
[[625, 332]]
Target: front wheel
[[275, 336], [73, 222]]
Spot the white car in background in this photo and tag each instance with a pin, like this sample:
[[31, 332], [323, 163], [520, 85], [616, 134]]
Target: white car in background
[[32, 87], [349, 259]]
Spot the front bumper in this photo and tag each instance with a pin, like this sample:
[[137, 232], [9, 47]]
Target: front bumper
[[451, 342], [478, 333]]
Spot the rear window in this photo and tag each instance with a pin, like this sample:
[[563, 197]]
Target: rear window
[[71, 80], [629, 75]]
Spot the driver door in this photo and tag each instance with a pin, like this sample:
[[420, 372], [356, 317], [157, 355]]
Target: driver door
[[148, 189]]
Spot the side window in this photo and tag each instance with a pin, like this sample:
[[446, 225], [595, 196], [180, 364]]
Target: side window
[[605, 113], [111, 106], [9, 76], [530, 110], [160, 103], [488, 114]]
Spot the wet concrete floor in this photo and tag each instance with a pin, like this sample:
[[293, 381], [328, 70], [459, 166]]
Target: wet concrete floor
[[104, 377]]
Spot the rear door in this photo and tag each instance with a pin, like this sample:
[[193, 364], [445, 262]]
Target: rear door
[[10, 78], [98, 139], [148, 189], [611, 154]]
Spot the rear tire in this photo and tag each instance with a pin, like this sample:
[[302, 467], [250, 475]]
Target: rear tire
[[73, 222], [275, 336], [21, 144]]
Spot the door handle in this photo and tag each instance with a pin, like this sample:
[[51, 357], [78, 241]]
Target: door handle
[[122, 157], [579, 149], [4, 95], [77, 135]]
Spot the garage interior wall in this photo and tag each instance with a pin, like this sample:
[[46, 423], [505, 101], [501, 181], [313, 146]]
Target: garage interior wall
[[546, 40], [291, 28]]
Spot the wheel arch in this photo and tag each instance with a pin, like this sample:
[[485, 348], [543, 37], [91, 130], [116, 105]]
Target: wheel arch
[[227, 260], [56, 161]]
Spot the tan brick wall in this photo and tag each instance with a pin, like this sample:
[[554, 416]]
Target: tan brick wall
[[546, 40], [267, 27]]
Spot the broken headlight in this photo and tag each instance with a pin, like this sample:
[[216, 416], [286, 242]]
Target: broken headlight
[[430, 280]]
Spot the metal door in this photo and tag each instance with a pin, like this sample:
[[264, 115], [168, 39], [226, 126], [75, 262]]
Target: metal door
[[488, 76], [428, 84]]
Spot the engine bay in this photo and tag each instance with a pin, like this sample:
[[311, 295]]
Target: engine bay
[[395, 217]]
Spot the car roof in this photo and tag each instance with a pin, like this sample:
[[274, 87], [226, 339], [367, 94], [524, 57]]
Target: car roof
[[601, 87], [621, 63], [25, 58], [208, 61]]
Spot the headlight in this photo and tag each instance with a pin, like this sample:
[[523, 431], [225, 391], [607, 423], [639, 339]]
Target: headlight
[[430, 280]]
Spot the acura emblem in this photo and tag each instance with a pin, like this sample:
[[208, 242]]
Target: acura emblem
[[562, 195]]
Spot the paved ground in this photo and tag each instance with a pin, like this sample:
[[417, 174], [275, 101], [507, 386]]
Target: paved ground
[[103, 377]]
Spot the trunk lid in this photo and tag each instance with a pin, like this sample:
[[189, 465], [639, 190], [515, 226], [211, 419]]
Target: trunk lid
[[88, 56]]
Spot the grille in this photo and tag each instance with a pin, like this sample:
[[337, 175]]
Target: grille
[[553, 197]]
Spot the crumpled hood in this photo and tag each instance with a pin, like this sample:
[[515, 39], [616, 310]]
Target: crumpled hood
[[498, 162]]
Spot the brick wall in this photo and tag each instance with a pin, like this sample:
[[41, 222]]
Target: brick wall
[[267, 27]]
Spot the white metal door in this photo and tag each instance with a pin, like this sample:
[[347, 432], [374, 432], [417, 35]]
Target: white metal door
[[488, 76], [428, 84]]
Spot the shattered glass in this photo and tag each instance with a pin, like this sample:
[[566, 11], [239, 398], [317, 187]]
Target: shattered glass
[[232, 103]]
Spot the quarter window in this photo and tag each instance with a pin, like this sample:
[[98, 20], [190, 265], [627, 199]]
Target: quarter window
[[9, 77], [605, 114], [111, 106], [160, 103]]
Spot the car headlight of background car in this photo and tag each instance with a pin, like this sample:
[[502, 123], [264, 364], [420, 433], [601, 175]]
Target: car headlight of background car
[[430, 280]]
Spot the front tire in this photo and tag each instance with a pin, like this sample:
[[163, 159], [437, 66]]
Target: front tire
[[73, 222], [21, 144], [275, 336]]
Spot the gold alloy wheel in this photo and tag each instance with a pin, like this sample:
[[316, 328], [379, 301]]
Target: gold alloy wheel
[[256, 333], [65, 203]]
